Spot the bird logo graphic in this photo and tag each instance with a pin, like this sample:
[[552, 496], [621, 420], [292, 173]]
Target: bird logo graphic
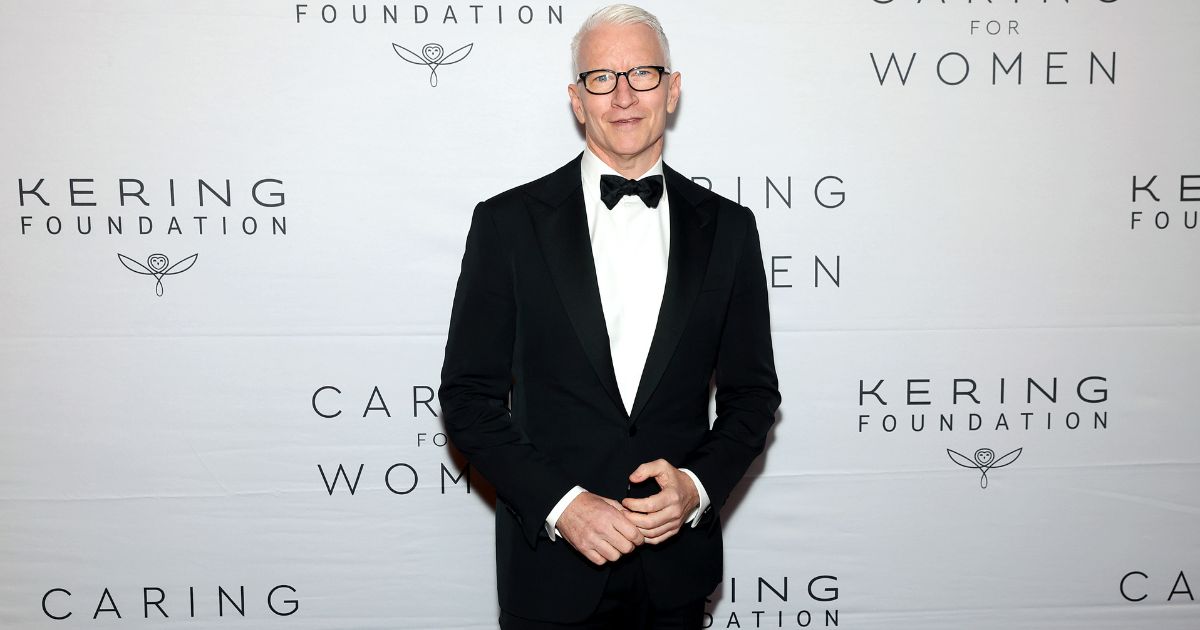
[[985, 459], [433, 56], [157, 266]]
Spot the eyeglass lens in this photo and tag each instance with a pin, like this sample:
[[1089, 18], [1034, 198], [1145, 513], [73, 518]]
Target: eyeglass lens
[[640, 79]]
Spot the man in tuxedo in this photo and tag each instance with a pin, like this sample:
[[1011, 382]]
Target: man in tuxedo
[[595, 308]]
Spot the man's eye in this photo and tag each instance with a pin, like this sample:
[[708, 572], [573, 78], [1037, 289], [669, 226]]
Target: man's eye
[[600, 78]]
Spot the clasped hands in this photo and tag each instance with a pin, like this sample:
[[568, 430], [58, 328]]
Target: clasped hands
[[603, 529]]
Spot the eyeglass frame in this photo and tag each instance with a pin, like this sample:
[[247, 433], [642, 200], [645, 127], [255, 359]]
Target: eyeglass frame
[[662, 70]]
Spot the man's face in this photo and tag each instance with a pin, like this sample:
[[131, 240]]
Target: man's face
[[625, 127]]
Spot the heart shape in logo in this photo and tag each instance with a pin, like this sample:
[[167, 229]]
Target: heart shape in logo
[[432, 52], [157, 262]]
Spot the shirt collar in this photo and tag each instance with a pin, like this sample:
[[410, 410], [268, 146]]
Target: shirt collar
[[592, 167]]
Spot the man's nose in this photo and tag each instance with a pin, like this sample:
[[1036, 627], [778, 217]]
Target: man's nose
[[624, 95]]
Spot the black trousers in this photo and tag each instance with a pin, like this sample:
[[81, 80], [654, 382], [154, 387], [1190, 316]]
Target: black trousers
[[625, 605]]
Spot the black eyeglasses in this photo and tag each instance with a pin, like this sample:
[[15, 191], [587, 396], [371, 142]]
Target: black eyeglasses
[[604, 81]]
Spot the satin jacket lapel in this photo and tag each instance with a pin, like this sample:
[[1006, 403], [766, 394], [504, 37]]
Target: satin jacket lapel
[[560, 221], [692, 228]]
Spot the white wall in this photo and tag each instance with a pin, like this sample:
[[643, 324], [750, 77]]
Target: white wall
[[980, 234]]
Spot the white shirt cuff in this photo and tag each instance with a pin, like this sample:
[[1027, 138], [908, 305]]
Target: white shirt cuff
[[694, 517], [559, 508]]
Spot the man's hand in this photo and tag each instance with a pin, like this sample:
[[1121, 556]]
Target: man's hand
[[597, 527], [660, 516]]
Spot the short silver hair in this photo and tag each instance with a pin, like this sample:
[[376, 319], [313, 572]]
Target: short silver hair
[[620, 14]]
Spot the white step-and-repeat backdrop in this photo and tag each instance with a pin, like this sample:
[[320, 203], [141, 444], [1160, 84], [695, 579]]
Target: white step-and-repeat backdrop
[[230, 232]]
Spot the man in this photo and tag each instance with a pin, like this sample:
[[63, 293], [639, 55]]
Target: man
[[591, 316]]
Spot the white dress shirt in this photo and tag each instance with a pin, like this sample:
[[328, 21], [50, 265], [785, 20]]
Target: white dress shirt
[[630, 246]]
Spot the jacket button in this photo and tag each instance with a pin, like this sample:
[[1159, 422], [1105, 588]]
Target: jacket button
[[632, 430]]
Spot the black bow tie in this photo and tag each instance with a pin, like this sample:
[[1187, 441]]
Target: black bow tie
[[614, 187]]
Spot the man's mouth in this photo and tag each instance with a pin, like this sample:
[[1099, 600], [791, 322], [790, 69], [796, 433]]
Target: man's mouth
[[622, 122]]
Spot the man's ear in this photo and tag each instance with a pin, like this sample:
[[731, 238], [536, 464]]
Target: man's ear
[[576, 101], [673, 87]]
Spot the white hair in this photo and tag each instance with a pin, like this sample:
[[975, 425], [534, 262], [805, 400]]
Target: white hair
[[620, 14]]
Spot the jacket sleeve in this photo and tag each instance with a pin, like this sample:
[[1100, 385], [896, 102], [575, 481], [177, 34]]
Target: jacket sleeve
[[477, 378], [747, 387]]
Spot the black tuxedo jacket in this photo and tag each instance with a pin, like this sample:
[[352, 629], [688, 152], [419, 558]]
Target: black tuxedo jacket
[[530, 397]]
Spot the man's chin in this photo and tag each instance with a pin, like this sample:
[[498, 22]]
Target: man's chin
[[632, 150]]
